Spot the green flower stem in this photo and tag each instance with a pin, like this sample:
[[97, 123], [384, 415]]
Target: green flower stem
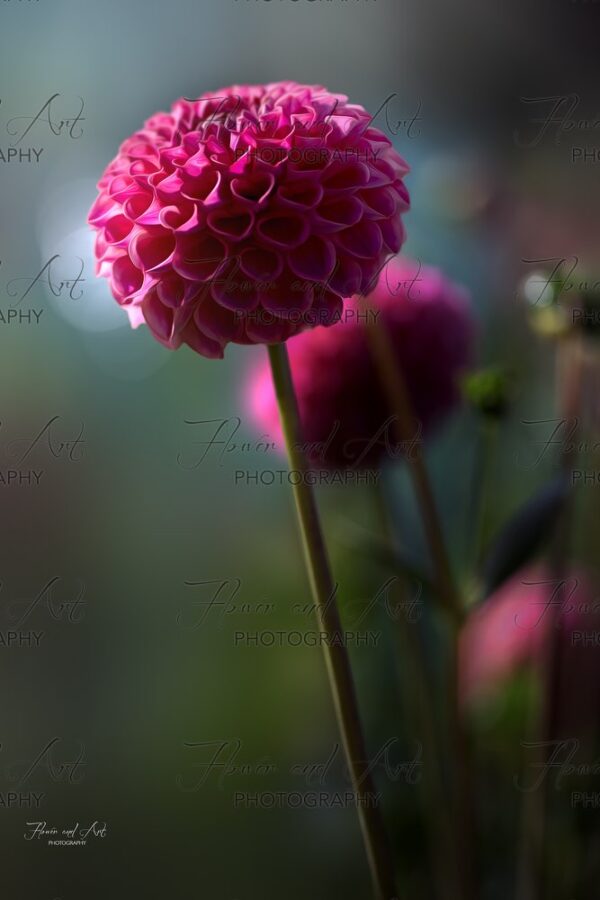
[[419, 687], [532, 875], [487, 439], [394, 385], [336, 654]]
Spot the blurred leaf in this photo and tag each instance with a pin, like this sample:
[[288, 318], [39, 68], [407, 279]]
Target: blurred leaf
[[359, 540], [524, 534]]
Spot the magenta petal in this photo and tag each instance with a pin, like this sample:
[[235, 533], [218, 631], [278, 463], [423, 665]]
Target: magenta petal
[[201, 343], [288, 296], [393, 234], [137, 205], [283, 231], [300, 194], [152, 249], [380, 201], [135, 315], [232, 226], [339, 214], [266, 329], [328, 307], [158, 317], [171, 290], [117, 229], [218, 323], [202, 187], [346, 177], [182, 217], [104, 207], [313, 260], [126, 278], [260, 263], [234, 290], [346, 278], [253, 188], [198, 258], [363, 240]]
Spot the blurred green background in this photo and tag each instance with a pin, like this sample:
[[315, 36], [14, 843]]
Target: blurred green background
[[123, 677]]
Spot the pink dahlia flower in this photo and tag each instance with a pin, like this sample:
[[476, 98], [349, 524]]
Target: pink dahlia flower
[[505, 634], [247, 215], [346, 417], [508, 632]]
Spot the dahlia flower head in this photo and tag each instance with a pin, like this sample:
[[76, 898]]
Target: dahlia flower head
[[507, 634], [248, 214], [346, 417]]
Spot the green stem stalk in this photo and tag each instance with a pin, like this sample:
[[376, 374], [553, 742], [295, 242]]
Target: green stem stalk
[[411, 641], [394, 385], [336, 654], [487, 446], [532, 877]]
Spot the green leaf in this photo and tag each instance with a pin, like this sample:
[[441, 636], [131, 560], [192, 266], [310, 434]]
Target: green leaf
[[524, 534], [359, 541]]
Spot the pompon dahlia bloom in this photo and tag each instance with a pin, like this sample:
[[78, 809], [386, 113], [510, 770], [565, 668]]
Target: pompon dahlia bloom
[[247, 215], [508, 632], [345, 414]]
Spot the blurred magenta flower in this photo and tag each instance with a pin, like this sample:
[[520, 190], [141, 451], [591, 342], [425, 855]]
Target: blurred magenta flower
[[345, 414], [247, 215], [504, 634], [507, 634]]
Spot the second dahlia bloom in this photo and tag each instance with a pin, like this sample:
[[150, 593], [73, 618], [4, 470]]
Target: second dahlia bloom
[[247, 215], [345, 413], [508, 632]]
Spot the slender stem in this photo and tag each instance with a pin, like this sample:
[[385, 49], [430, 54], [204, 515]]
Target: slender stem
[[532, 876], [336, 653], [393, 383], [487, 446], [411, 640], [460, 760]]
